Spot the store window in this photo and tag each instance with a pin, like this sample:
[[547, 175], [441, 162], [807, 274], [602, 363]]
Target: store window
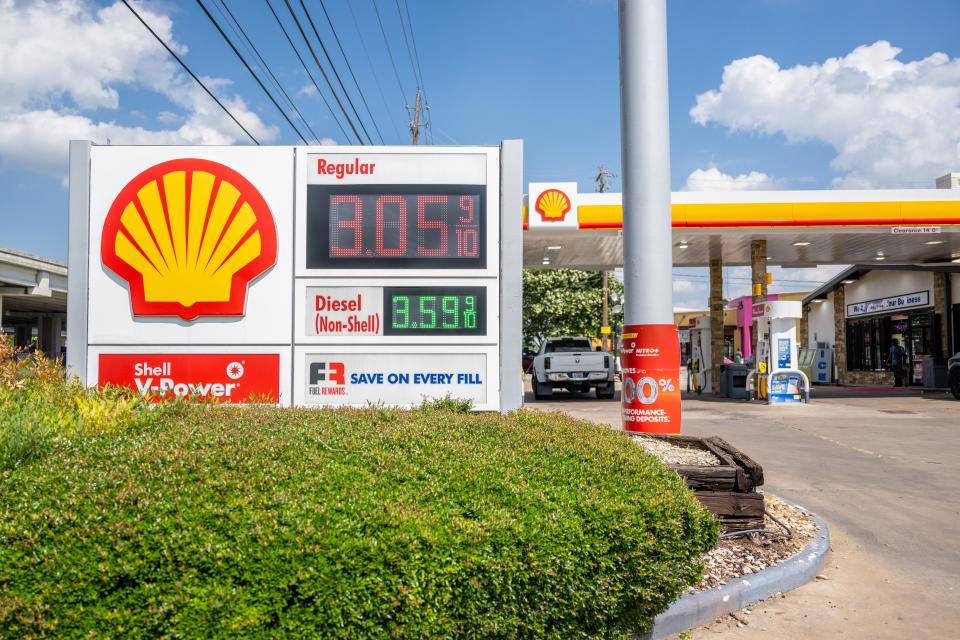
[[869, 341]]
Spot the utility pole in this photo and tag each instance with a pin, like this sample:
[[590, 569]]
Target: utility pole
[[601, 179], [602, 175], [415, 124]]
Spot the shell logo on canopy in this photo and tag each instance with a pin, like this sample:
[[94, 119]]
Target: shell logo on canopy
[[552, 205], [189, 236]]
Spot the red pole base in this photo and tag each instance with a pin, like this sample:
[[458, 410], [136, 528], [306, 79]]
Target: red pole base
[[650, 367]]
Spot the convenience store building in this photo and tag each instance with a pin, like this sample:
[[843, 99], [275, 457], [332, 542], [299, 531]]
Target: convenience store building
[[863, 309]]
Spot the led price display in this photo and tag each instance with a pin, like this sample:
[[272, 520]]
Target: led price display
[[435, 311], [396, 226]]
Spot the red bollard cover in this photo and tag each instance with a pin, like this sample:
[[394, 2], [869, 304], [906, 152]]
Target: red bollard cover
[[650, 367]]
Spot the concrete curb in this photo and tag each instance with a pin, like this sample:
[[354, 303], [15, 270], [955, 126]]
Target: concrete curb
[[704, 606]]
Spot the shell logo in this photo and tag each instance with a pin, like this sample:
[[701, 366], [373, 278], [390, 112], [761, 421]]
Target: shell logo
[[552, 205], [188, 236]]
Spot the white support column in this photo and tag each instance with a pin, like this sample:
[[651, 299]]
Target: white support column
[[645, 140], [651, 348]]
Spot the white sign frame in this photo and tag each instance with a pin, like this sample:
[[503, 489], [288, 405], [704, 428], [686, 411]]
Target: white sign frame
[[100, 318]]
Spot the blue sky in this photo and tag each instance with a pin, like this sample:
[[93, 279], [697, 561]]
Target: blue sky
[[544, 71]]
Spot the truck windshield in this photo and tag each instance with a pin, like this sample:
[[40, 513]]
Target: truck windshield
[[567, 346]]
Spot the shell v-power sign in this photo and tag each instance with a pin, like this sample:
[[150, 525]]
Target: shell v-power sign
[[313, 276]]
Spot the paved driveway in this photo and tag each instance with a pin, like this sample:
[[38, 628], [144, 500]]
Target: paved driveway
[[883, 471]]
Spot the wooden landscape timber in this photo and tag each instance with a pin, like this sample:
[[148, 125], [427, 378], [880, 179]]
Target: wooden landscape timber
[[727, 490]]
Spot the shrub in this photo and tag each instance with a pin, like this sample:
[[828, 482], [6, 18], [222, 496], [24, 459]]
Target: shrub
[[38, 405], [231, 522]]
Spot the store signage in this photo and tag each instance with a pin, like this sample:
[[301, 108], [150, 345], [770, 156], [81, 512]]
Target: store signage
[[188, 236], [394, 379], [912, 230], [892, 303], [220, 377]]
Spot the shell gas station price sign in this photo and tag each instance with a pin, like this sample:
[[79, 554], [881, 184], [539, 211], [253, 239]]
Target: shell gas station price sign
[[398, 276], [234, 273]]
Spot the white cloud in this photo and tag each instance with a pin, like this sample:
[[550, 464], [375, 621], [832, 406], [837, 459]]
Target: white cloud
[[65, 63], [713, 179], [892, 123]]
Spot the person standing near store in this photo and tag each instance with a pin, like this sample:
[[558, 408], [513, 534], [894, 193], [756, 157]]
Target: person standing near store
[[895, 362]]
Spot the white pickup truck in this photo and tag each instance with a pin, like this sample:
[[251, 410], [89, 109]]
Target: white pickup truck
[[572, 364]]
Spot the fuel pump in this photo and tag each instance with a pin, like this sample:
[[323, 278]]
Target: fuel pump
[[779, 379], [700, 362]]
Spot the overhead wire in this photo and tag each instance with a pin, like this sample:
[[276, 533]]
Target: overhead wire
[[390, 53], [413, 67], [416, 56], [333, 67], [373, 69], [190, 72], [307, 70], [249, 69], [406, 43], [413, 39], [252, 48], [326, 78], [350, 69]]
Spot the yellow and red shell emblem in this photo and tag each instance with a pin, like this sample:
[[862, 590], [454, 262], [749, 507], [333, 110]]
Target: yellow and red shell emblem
[[188, 236], [553, 205]]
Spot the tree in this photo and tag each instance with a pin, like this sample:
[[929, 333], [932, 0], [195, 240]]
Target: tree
[[566, 302]]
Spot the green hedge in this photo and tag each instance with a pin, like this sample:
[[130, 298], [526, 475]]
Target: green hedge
[[258, 522]]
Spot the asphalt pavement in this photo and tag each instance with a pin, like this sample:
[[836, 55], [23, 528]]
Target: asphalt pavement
[[883, 469]]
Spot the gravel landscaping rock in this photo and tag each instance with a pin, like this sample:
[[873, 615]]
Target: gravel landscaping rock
[[669, 453], [738, 557]]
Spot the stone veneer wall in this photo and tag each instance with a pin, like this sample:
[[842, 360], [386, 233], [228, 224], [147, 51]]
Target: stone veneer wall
[[940, 309], [805, 328], [716, 323], [840, 334]]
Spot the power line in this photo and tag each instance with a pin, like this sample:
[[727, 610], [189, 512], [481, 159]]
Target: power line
[[316, 59], [406, 43], [255, 77], [252, 48], [416, 77], [392, 62], [373, 69], [187, 69], [413, 38], [307, 69], [334, 69], [416, 55], [350, 69]]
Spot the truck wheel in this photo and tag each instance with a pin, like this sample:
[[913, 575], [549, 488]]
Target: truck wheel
[[605, 391], [542, 391], [955, 382]]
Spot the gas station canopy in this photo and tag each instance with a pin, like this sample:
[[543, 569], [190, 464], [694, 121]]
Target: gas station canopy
[[802, 228]]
